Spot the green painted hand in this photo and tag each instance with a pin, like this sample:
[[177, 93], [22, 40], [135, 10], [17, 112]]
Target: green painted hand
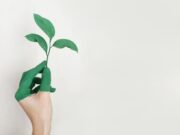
[[28, 82]]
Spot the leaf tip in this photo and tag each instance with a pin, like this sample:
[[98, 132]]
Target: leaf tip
[[34, 14], [77, 50], [26, 36]]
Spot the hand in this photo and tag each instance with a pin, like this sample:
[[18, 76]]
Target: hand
[[35, 100], [29, 80]]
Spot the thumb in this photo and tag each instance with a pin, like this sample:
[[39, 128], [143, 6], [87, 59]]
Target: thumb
[[46, 80]]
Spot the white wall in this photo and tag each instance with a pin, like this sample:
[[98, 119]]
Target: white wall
[[125, 79]]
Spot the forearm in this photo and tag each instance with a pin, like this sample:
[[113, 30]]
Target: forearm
[[39, 110], [41, 128]]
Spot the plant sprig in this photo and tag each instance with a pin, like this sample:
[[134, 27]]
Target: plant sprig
[[48, 28]]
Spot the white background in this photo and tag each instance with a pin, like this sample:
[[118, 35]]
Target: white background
[[125, 79]]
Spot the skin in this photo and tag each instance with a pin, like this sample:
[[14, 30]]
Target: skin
[[38, 108]]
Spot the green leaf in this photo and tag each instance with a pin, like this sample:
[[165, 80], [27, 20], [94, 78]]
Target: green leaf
[[45, 25], [61, 43], [37, 38]]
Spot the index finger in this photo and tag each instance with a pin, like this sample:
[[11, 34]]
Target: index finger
[[39, 68]]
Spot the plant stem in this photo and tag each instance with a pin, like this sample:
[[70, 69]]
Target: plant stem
[[50, 46]]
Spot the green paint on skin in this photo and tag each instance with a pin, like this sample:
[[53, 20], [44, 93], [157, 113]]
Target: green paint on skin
[[29, 80]]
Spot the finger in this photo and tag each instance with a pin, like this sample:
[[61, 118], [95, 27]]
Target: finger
[[52, 89], [36, 80], [35, 90], [39, 68]]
